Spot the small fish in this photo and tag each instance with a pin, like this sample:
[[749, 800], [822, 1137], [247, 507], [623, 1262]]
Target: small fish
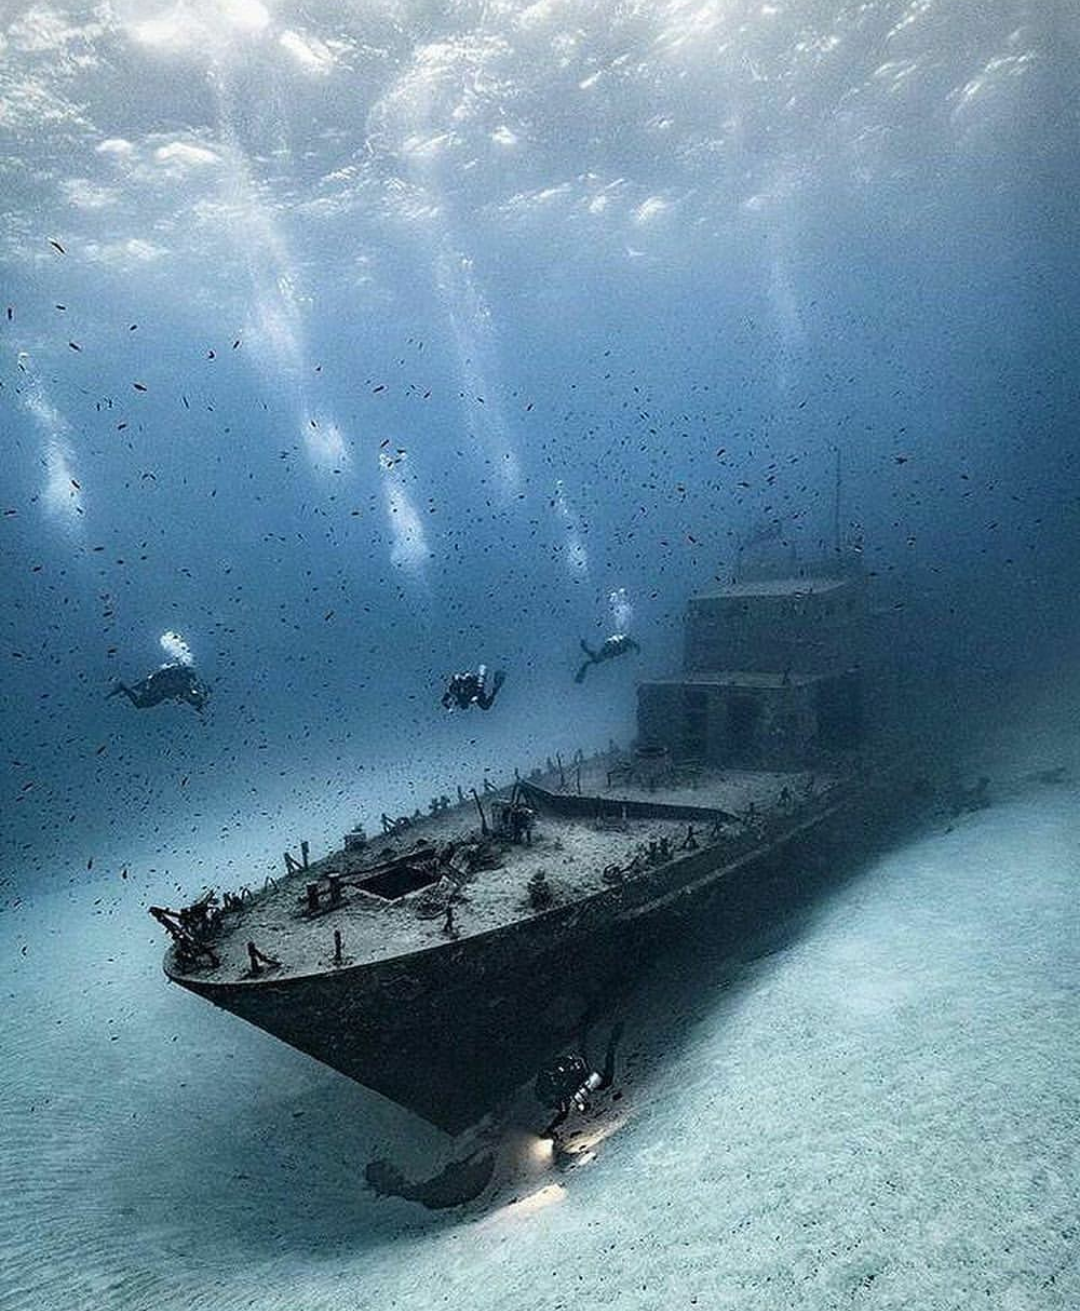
[[74, 345], [57, 246], [236, 343], [380, 387], [329, 614], [133, 327], [61, 307], [139, 386], [210, 355], [120, 427], [900, 459], [10, 313], [75, 485]]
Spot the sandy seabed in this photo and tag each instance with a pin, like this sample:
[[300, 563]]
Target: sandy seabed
[[880, 1107]]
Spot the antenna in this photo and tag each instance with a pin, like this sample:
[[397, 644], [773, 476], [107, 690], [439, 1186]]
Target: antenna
[[836, 506]]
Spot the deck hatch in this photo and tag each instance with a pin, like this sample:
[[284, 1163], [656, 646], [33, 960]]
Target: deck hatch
[[398, 881]]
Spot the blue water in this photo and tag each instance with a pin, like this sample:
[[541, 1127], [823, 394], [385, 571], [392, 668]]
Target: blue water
[[360, 343]]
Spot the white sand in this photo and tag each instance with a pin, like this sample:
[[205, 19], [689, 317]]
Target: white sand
[[883, 1112]]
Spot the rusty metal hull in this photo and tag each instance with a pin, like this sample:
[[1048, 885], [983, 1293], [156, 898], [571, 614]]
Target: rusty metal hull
[[450, 1032]]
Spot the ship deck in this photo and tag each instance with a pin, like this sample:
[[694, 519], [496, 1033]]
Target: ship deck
[[573, 850]]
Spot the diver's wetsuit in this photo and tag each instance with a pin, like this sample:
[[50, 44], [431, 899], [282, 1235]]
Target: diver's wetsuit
[[567, 1083], [175, 682], [616, 645], [465, 690]]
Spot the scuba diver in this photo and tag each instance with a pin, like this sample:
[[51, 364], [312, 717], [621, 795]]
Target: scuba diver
[[469, 689], [616, 645], [172, 682], [567, 1084]]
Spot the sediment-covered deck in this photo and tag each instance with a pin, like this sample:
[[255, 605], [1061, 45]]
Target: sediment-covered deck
[[442, 878]]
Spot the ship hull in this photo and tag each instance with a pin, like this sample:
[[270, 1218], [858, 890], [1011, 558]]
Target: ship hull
[[451, 1032]]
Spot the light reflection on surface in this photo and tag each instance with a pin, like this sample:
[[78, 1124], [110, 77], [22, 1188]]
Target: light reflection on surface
[[534, 1202]]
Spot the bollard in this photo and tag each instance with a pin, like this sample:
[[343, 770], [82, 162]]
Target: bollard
[[304, 854], [337, 946], [334, 881]]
